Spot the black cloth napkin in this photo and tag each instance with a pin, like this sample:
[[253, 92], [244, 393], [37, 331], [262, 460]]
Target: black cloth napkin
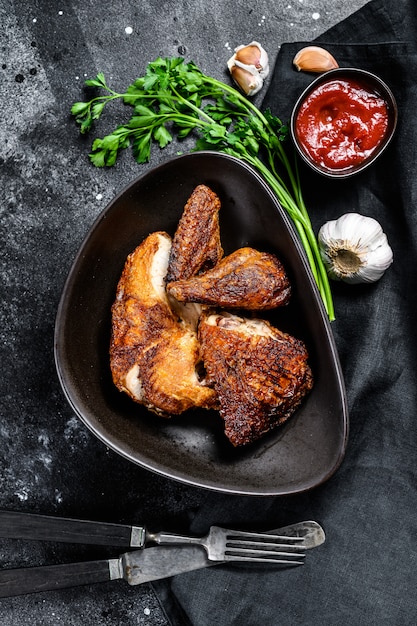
[[365, 572]]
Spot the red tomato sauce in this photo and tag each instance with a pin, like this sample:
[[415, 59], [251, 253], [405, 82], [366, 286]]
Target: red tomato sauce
[[341, 123]]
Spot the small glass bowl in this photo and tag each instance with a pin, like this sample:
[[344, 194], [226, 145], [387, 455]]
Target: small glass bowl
[[375, 85]]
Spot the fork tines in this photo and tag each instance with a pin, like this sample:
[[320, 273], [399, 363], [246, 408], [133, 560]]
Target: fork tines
[[264, 547]]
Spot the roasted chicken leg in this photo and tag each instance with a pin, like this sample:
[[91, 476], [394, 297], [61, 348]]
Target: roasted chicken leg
[[260, 374], [154, 357], [196, 245], [245, 279]]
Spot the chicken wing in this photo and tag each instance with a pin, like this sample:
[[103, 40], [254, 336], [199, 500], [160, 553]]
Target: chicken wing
[[246, 279], [154, 357], [196, 245], [261, 374]]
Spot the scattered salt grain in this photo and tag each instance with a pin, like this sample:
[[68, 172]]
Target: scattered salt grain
[[43, 439], [46, 460], [128, 30], [22, 494], [316, 16]]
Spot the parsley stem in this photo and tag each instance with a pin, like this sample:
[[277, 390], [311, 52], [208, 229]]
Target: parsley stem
[[189, 104]]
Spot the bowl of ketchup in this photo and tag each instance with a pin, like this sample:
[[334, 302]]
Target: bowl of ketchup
[[343, 121]]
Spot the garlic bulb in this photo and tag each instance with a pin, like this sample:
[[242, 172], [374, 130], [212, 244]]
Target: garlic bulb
[[314, 59], [249, 66], [354, 249]]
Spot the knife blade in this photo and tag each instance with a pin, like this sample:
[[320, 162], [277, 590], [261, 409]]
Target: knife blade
[[136, 567]]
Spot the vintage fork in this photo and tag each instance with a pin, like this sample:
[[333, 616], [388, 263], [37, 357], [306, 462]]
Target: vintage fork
[[222, 544]]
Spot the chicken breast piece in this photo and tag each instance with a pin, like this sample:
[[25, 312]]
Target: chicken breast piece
[[154, 357], [261, 374], [246, 279], [196, 244]]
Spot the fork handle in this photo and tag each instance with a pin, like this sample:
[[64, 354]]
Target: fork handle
[[164, 538], [16, 525]]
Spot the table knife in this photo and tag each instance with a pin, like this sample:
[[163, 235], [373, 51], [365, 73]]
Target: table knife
[[135, 567]]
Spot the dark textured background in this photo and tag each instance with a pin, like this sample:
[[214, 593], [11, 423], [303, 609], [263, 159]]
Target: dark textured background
[[49, 197]]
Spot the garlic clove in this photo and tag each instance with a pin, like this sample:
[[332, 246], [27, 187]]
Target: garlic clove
[[253, 54], [249, 66], [247, 78], [354, 249], [314, 59]]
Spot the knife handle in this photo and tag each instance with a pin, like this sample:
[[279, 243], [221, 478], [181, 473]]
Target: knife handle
[[16, 525], [16, 582]]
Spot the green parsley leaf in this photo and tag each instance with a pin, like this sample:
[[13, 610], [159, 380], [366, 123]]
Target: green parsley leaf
[[80, 108], [98, 81]]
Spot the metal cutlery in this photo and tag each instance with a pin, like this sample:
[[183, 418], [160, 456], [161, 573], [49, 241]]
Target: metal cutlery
[[20, 525], [220, 544], [141, 565]]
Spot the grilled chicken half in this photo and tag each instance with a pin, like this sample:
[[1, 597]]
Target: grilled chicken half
[[245, 279], [261, 374], [154, 356], [196, 245]]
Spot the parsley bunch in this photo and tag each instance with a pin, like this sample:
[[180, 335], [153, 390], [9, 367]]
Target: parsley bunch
[[175, 98]]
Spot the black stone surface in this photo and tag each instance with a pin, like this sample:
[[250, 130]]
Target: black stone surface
[[49, 196]]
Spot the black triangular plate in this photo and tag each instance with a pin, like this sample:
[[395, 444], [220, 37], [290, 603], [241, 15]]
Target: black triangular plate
[[192, 448]]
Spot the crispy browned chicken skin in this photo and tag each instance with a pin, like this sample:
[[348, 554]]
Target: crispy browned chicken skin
[[196, 245], [255, 374], [245, 279], [260, 374], [154, 357]]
